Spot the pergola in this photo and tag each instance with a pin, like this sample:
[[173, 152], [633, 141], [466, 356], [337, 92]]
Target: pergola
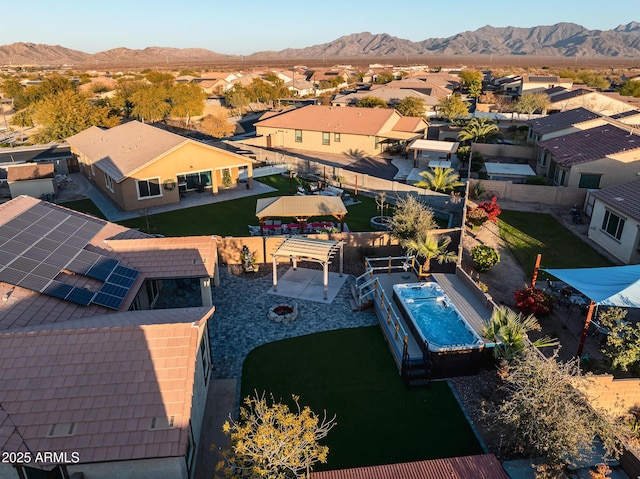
[[308, 249], [447, 147], [300, 207]]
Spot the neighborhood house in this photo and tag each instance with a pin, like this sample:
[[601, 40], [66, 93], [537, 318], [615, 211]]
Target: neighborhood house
[[140, 166]]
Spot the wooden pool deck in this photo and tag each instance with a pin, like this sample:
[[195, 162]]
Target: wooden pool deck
[[474, 309]]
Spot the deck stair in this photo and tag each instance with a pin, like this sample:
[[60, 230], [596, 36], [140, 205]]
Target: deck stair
[[416, 373], [362, 291]]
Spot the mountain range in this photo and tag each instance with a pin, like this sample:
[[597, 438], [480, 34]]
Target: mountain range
[[559, 40]]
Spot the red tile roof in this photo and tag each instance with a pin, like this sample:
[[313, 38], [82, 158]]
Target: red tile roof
[[191, 256], [484, 466], [592, 144], [625, 198], [30, 171], [179, 257], [356, 121], [110, 375]]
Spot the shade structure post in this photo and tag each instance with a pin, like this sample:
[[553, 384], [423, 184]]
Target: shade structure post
[[325, 279], [275, 274], [536, 268], [585, 328]]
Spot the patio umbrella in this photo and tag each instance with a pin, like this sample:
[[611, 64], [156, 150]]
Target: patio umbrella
[[610, 286]]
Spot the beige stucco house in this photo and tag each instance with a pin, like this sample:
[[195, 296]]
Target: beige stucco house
[[339, 130], [604, 103], [139, 166], [594, 158], [615, 220]]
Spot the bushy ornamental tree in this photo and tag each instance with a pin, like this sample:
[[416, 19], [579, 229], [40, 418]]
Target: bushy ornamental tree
[[622, 346], [476, 217], [270, 440], [492, 209], [531, 300], [544, 414], [484, 257]]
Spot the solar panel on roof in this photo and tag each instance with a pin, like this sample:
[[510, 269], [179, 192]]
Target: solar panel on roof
[[121, 280], [24, 264], [126, 272], [46, 270], [114, 290], [34, 282], [5, 258], [107, 263], [11, 276], [40, 242], [80, 296], [103, 299], [38, 254], [58, 289], [15, 247], [96, 272], [77, 266], [38, 230]]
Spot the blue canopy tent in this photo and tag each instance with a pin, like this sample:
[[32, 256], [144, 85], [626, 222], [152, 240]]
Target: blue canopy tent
[[611, 286]]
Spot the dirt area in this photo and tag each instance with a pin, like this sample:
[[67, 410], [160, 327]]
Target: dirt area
[[502, 280]]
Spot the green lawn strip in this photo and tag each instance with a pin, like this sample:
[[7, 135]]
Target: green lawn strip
[[231, 218], [528, 234], [84, 206], [351, 373]]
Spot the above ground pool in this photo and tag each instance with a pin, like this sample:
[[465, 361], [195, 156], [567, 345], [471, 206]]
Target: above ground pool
[[435, 319]]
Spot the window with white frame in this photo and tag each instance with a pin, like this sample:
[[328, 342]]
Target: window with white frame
[[108, 182], [326, 138], [149, 188], [559, 177], [298, 136], [336, 137], [613, 224]]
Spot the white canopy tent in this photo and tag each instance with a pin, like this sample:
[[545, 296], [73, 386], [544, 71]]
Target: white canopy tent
[[308, 249]]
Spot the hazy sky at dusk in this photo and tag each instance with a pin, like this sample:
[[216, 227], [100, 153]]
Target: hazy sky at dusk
[[223, 27]]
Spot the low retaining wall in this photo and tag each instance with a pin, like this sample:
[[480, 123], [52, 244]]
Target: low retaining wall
[[356, 246]]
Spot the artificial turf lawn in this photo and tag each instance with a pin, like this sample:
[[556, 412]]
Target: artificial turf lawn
[[528, 234], [228, 218], [84, 206], [351, 373]]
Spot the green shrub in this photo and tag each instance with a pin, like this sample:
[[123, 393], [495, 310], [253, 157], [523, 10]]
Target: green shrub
[[484, 257], [537, 180], [477, 190], [476, 217], [477, 162]]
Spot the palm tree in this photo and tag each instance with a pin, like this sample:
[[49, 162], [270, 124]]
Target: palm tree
[[431, 247], [508, 330], [479, 130], [440, 179]]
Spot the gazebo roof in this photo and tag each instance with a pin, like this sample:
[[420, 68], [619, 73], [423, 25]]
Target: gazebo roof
[[308, 248], [300, 206]]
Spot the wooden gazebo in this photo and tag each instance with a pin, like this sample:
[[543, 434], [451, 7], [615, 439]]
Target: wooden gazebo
[[308, 249]]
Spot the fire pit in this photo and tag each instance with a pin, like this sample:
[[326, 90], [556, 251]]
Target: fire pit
[[283, 313]]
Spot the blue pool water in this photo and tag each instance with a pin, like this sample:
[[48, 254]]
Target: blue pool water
[[435, 317]]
